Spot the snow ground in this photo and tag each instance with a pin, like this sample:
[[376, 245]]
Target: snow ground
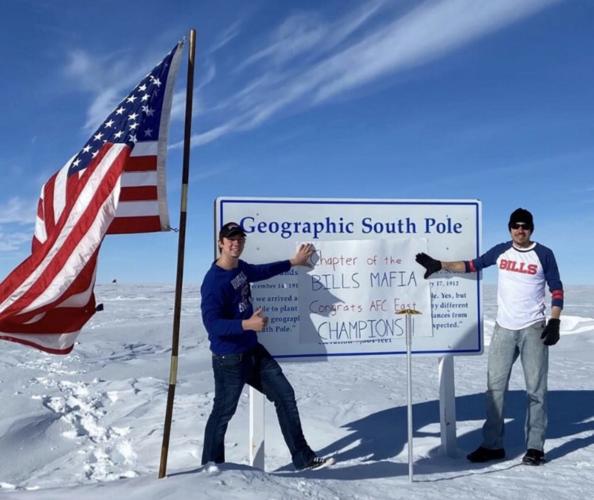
[[89, 425]]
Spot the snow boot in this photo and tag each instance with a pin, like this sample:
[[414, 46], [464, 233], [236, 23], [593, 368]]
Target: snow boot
[[486, 454], [533, 457]]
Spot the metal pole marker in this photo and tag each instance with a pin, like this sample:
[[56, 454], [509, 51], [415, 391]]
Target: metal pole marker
[[409, 330]]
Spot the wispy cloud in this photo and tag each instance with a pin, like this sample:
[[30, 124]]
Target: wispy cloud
[[225, 37], [206, 74], [211, 135], [207, 77], [18, 211], [308, 61], [108, 78], [178, 106], [200, 174], [308, 35], [10, 242], [426, 33], [11, 167]]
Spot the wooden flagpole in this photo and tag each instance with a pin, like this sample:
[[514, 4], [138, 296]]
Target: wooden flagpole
[[180, 257]]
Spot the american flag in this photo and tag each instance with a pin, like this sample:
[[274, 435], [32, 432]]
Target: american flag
[[114, 184]]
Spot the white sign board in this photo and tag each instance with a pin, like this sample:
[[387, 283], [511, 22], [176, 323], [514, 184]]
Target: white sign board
[[364, 273]]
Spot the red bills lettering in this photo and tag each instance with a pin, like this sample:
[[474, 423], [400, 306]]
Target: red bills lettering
[[518, 267]]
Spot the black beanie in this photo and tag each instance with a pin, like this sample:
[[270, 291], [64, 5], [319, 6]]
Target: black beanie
[[521, 215]]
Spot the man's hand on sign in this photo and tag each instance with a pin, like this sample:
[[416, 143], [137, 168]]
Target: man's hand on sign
[[304, 252], [429, 263], [256, 322]]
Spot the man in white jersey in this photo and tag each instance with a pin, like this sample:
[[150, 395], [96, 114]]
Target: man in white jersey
[[524, 268]]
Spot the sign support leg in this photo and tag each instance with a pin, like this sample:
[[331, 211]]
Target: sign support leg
[[447, 406], [256, 444]]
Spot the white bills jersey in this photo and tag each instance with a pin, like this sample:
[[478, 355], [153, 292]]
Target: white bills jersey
[[522, 275]]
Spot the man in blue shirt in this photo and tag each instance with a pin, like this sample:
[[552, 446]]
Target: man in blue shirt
[[524, 269], [237, 356]]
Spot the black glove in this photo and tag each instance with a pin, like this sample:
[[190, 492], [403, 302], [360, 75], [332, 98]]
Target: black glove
[[428, 263], [551, 332]]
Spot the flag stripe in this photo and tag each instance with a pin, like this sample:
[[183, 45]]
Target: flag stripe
[[149, 148], [138, 208], [79, 296], [39, 233], [55, 331], [84, 280], [131, 179], [138, 193], [60, 190], [141, 164], [86, 237], [49, 219], [56, 344], [123, 225], [64, 320], [16, 282], [162, 145], [36, 286]]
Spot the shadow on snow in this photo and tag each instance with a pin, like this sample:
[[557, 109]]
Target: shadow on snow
[[379, 437]]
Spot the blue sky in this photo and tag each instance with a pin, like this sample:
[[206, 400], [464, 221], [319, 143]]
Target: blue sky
[[353, 99]]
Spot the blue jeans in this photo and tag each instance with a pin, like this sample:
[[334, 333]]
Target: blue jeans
[[506, 346], [258, 369]]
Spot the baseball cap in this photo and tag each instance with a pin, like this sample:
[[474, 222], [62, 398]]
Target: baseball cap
[[231, 229], [521, 215]]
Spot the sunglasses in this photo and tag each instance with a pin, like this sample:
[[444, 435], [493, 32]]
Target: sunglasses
[[520, 225]]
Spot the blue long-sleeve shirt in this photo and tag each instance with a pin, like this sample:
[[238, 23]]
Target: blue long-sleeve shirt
[[226, 300]]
